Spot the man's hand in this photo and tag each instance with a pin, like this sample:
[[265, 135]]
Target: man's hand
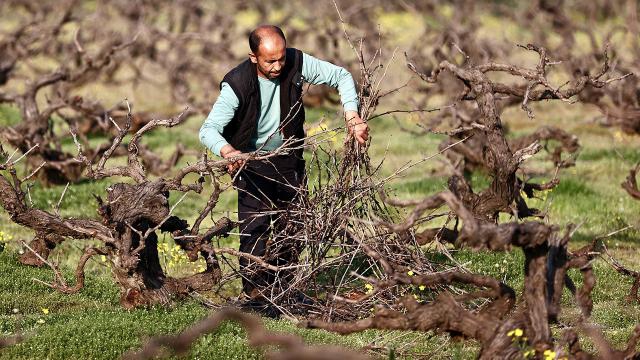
[[357, 127], [229, 151]]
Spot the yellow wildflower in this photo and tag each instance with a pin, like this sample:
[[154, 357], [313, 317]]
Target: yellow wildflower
[[422, 287], [45, 311], [324, 133], [618, 135], [369, 288], [316, 130], [40, 321], [515, 333], [549, 354], [410, 273], [4, 237]]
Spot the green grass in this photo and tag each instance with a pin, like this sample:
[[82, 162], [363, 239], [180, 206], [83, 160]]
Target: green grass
[[9, 115], [91, 323]]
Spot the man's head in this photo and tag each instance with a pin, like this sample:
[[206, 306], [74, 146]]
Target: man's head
[[268, 48]]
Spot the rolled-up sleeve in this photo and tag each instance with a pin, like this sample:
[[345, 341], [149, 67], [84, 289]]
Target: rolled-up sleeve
[[220, 115], [316, 71]]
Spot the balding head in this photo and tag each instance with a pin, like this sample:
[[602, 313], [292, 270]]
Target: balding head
[[268, 50], [268, 37]]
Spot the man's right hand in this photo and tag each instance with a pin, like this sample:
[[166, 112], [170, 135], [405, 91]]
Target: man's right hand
[[229, 151]]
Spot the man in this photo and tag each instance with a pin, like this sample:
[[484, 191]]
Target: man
[[259, 108]]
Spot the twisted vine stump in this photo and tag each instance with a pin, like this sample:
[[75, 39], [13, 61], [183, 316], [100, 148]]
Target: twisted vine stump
[[130, 218], [547, 258]]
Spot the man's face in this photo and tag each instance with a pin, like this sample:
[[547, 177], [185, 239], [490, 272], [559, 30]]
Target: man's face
[[270, 57]]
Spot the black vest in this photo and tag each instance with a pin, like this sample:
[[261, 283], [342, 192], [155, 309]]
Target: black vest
[[243, 79]]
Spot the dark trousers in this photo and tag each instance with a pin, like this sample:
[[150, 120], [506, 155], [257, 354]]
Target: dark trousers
[[266, 188]]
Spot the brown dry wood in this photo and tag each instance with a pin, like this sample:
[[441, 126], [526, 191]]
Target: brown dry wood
[[41, 32], [34, 129], [547, 261], [630, 184], [491, 149], [619, 105], [130, 217]]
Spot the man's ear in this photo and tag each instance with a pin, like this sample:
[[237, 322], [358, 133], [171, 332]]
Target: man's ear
[[253, 58]]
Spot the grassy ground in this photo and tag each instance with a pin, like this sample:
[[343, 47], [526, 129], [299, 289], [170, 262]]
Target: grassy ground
[[91, 324]]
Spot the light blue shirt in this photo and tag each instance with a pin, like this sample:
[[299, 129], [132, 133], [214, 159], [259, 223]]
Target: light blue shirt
[[267, 136]]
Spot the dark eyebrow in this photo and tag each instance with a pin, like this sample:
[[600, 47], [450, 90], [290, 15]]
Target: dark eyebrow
[[282, 58]]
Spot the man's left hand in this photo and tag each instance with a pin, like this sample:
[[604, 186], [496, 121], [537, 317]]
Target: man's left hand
[[357, 127]]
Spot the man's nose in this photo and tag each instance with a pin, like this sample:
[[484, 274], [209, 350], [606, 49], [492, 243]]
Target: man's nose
[[277, 66]]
